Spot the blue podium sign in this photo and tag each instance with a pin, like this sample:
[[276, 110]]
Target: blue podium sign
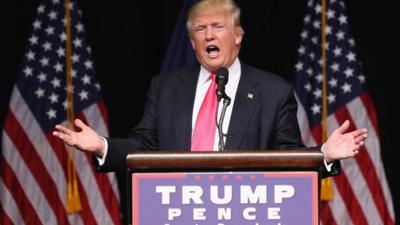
[[225, 198]]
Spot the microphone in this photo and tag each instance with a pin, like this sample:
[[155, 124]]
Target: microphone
[[221, 79]]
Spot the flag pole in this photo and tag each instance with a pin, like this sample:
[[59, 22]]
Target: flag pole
[[326, 184], [73, 200]]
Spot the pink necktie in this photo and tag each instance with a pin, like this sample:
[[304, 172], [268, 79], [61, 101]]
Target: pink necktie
[[204, 130]]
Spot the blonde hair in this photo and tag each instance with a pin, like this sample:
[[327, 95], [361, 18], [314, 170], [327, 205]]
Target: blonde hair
[[214, 6]]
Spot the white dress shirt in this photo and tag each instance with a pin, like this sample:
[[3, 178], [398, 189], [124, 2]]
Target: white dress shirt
[[203, 83]]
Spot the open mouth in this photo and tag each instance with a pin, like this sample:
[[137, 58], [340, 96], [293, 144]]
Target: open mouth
[[212, 49]]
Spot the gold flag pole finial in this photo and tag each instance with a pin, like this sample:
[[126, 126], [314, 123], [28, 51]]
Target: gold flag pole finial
[[73, 200], [326, 184]]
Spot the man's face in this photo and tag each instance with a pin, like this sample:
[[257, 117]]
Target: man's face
[[215, 40]]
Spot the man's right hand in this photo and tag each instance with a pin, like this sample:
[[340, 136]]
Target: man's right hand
[[85, 140]]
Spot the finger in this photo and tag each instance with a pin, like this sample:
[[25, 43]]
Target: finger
[[63, 129], [79, 123], [63, 137], [56, 133], [360, 138], [345, 125], [357, 147], [359, 132]]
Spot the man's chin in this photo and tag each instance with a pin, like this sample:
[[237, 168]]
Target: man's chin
[[213, 65]]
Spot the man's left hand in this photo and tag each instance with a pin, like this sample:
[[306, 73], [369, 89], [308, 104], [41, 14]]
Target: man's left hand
[[341, 145]]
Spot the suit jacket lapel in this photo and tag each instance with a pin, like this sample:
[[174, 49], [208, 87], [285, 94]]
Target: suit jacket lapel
[[245, 100], [184, 102]]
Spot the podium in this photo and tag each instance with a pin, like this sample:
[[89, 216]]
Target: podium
[[224, 188]]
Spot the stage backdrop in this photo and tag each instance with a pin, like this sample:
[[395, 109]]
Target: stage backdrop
[[129, 43]]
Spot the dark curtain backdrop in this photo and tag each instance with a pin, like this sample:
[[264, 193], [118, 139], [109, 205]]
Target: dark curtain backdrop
[[129, 40]]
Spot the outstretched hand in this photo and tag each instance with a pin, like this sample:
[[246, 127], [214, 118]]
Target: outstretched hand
[[85, 140], [341, 145]]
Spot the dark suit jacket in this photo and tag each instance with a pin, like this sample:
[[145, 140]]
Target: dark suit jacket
[[263, 117]]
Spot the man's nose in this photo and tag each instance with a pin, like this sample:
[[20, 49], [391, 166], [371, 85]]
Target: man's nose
[[209, 33]]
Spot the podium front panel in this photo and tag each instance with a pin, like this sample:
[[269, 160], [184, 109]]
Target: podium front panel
[[225, 198]]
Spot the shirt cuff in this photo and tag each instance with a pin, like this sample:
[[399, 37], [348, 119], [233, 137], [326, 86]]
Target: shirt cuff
[[101, 160], [328, 166]]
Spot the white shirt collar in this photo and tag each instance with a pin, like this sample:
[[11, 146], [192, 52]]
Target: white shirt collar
[[234, 71]]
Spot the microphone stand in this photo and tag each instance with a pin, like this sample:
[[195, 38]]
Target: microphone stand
[[226, 102]]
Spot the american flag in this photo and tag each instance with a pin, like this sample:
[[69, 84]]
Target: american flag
[[361, 194], [33, 163]]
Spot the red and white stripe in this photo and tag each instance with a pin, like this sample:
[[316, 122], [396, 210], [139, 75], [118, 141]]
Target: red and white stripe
[[33, 166], [361, 193]]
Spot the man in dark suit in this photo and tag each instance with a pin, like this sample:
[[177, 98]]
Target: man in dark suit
[[262, 114]]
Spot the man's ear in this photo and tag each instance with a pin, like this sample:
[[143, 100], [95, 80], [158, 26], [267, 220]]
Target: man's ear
[[192, 42], [238, 35]]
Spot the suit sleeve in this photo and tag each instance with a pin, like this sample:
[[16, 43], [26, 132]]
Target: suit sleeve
[[287, 132]]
